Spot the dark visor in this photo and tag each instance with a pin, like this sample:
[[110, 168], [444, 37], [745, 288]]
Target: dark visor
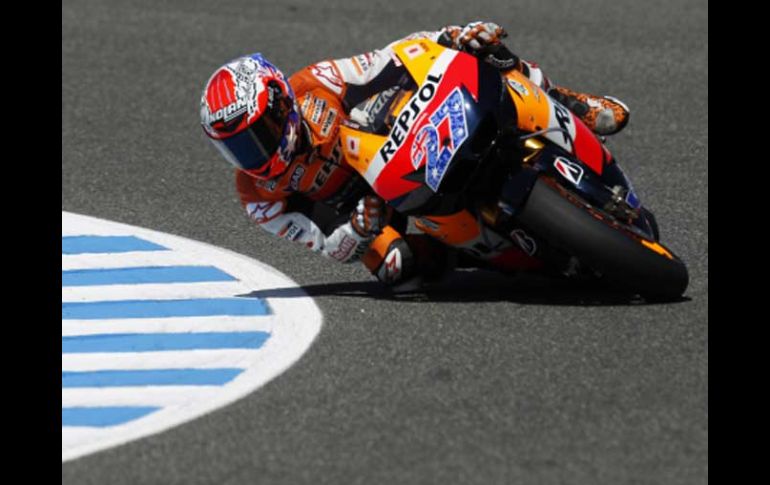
[[252, 148]]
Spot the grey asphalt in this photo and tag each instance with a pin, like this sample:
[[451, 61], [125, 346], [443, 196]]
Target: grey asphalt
[[487, 380]]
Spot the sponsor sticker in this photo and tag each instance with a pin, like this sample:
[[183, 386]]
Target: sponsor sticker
[[329, 122], [569, 170], [364, 62], [245, 74], [564, 120], [408, 115], [327, 74], [414, 51], [247, 84], [318, 108], [291, 231], [393, 265], [296, 176], [437, 142], [518, 87], [342, 251], [352, 145], [306, 104], [381, 101], [261, 212], [295, 233], [525, 242]]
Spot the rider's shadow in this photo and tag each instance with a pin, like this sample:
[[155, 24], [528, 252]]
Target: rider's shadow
[[477, 286]]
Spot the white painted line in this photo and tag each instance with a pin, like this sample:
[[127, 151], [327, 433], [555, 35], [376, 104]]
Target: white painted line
[[73, 437], [227, 323], [293, 324], [198, 359], [133, 396], [166, 291], [125, 260]]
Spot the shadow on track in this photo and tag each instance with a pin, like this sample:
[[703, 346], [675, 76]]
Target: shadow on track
[[477, 286]]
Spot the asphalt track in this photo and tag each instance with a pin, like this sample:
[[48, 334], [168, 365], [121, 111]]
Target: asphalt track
[[486, 380]]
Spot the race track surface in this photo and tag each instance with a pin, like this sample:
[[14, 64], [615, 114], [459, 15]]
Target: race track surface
[[485, 380]]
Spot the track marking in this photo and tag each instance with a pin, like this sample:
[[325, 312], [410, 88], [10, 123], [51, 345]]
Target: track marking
[[158, 330], [171, 325], [176, 291]]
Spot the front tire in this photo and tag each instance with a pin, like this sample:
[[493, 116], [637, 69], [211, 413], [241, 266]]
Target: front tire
[[619, 253]]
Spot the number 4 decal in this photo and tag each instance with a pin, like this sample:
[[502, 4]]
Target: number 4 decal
[[439, 140]]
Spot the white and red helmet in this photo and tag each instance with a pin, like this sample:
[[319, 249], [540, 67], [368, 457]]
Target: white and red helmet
[[249, 113]]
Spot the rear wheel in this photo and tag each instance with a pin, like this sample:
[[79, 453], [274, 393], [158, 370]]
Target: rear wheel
[[619, 252]]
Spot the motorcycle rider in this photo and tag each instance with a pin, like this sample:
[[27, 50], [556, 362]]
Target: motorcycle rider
[[282, 136]]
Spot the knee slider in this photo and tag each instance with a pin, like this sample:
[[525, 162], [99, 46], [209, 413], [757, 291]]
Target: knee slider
[[390, 258], [398, 264]]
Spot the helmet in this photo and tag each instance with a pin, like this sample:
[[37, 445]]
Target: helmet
[[249, 113]]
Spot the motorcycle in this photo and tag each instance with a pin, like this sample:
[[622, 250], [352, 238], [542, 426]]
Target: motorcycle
[[485, 161]]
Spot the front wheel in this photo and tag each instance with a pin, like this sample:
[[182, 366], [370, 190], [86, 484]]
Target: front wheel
[[617, 251]]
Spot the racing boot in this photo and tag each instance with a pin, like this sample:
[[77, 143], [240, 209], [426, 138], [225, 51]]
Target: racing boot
[[603, 115]]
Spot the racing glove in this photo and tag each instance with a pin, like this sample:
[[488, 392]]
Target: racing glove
[[345, 244], [368, 218], [476, 35], [483, 40]]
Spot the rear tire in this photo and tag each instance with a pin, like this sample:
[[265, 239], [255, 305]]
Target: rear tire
[[568, 223]]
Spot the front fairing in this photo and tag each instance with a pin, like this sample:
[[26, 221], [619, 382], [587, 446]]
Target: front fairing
[[439, 135], [448, 136], [447, 162]]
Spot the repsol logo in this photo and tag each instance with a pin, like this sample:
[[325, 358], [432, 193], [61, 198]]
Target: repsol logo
[[406, 119]]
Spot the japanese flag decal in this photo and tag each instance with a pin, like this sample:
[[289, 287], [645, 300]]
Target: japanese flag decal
[[569, 170]]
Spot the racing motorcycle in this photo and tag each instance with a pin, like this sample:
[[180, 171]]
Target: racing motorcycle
[[485, 161]]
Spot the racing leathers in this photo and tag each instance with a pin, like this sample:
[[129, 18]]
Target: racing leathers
[[318, 180]]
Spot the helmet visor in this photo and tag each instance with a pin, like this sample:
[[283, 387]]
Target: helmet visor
[[254, 147]]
